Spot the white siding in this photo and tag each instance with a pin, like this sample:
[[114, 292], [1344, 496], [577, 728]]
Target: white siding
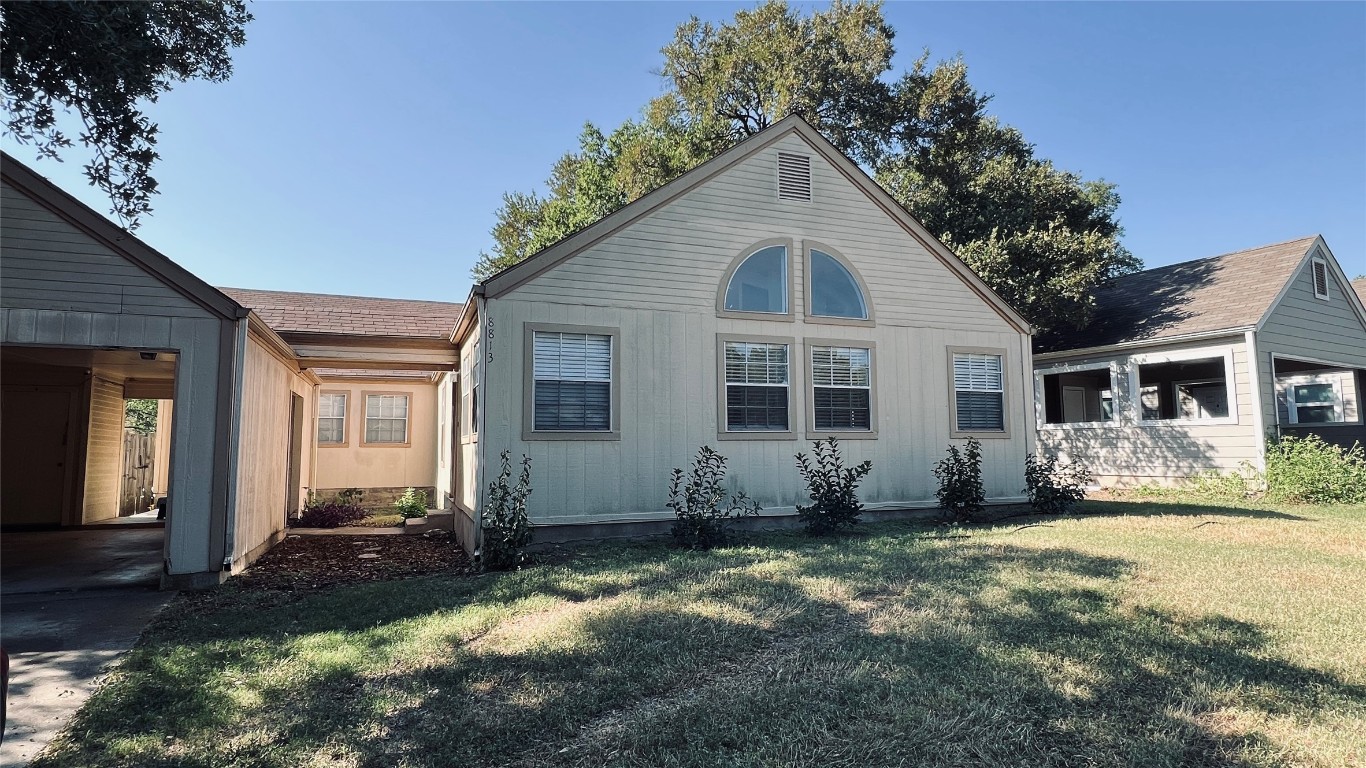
[[1128, 452]]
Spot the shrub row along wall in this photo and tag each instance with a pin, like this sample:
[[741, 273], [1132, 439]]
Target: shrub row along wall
[[382, 497]]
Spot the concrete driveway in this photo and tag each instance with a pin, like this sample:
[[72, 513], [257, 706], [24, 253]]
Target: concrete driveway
[[71, 602]]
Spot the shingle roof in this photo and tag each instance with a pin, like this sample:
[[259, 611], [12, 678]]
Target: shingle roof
[[1212, 294], [290, 312]]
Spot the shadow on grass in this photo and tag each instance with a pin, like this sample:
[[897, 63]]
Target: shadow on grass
[[885, 650]]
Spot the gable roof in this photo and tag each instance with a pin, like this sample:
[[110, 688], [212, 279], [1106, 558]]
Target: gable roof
[[290, 312], [1231, 292], [119, 240], [556, 253]]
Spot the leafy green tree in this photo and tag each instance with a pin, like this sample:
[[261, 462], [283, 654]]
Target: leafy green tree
[[140, 416], [1042, 237], [100, 60]]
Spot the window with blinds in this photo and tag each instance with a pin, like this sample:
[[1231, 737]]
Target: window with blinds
[[756, 387], [386, 418], [332, 418], [841, 381], [1320, 269], [979, 392], [572, 374], [794, 177]]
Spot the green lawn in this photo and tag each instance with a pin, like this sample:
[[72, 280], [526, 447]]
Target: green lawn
[[1139, 635]]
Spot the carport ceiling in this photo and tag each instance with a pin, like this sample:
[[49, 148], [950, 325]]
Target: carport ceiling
[[114, 364]]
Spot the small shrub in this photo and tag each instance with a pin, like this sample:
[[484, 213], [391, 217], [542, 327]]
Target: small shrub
[[833, 489], [332, 513], [507, 530], [960, 481], [353, 496], [702, 510], [413, 503], [1054, 488], [381, 521], [1309, 471]]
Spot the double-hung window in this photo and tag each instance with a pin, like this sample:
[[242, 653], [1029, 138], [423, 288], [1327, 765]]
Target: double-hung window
[[386, 419], [841, 389], [1314, 400], [469, 393], [756, 386], [572, 382], [332, 418], [978, 392]]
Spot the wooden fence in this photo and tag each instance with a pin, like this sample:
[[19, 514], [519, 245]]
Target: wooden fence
[[135, 493]]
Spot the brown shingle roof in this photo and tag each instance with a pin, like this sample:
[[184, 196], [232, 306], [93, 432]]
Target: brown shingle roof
[[290, 312], [1221, 292]]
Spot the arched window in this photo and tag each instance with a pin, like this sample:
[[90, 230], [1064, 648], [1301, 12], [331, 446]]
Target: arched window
[[835, 291], [759, 283]]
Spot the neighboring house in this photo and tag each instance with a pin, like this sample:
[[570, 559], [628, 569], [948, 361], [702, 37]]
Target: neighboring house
[[1192, 367], [91, 316], [769, 297], [377, 427]]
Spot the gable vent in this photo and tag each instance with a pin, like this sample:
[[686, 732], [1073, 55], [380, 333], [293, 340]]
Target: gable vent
[[1320, 279], [794, 177]]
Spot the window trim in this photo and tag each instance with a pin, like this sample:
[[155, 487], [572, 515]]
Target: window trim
[[1339, 405], [787, 317], [809, 345], [407, 421], [529, 433], [794, 385], [1176, 356], [345, 417], [1041, 402], [1005, 432], [1316, 264], [807, 300]]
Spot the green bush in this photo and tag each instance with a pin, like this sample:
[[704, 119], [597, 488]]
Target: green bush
[[506, 529], [702, 510], [833, 489], [413, 503], [381, 521], [1054, 488], [1309, 471], [960, 482]]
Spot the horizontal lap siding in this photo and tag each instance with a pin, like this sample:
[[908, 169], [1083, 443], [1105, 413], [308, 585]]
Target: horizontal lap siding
[[49, 264], [669, 403], [1128, 452], [104, 451]]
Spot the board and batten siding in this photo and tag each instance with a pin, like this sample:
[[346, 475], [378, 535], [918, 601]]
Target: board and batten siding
[[104, 451], [1127, 453], [1304, 327], [657, 280]]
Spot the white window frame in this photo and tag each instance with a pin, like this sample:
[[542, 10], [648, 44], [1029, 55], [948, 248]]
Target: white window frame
[[1315, 264], [346, 411], [1176, 356], [1041, 402], [814, 433], [793, 385], [407, 420], [529, 431], [1292, 406]]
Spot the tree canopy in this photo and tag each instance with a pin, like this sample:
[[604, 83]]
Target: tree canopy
[[101, 60], [1042, 237]]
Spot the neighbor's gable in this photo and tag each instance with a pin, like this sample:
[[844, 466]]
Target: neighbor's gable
[[674, 257], [1329, 329]]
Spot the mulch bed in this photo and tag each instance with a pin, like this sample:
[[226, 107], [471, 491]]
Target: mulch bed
[[318, 562]]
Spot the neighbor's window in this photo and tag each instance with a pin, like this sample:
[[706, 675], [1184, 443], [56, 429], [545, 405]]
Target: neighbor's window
[[841, 381], [834, 290], [1078, 397], [572, 374], [759, 284], [386, 418], [756, 387], [332, 418], [1183, 390], [1314, 400], [979, 392]]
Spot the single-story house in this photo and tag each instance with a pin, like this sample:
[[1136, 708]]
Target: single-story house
[[771, 296], [1193, 367]]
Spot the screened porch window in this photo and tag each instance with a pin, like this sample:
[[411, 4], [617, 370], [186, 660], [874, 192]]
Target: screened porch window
[[573, 382], [386, 419], [979, 392], [1078, 397], [841, 379], [1184, 390], [757, 391]]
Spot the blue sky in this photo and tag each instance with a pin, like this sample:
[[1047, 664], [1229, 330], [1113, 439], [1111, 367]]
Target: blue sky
[[363, 147]]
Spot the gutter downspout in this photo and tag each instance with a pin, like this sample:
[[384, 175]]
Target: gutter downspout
[[235, 440], [1258, 413], [481, 324]]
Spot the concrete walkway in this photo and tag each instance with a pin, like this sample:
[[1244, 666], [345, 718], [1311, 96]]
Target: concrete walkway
[[71, 602]]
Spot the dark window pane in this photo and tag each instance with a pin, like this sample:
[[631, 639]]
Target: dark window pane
[[1315, 414], [842, 409], [584, 406], [759, 284], [756, 408], [834, 292], [981, 411]]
